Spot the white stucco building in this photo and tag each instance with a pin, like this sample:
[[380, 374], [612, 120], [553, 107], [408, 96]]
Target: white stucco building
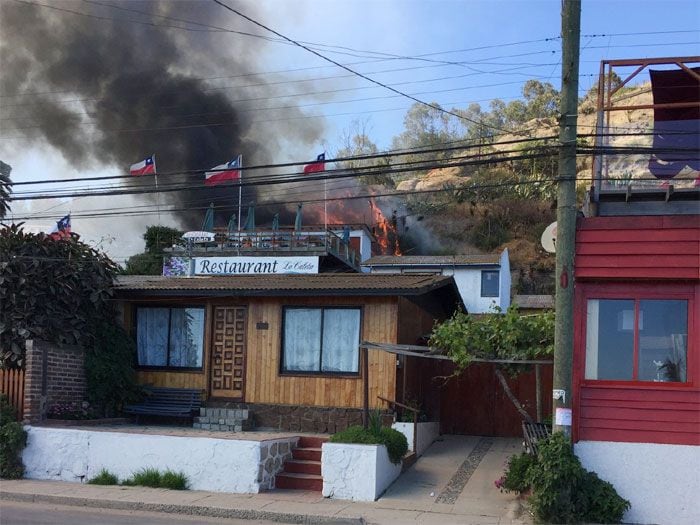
[[483, 280]]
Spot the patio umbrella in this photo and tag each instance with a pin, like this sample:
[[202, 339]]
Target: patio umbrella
[[275, 222], [232, 225], [297, 220], [250, 218], [209, 219]]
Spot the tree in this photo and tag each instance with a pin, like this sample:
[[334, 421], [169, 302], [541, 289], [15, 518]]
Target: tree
[[542, 99], [356, 143], [5, 188], [150, 262], [56, 290], [509, 336]]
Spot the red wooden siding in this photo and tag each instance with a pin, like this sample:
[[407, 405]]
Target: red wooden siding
[[12, 385], [638, 247]]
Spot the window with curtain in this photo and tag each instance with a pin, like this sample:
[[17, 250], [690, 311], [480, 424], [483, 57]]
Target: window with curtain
[[170, 337], [637, 340], [321, 340]]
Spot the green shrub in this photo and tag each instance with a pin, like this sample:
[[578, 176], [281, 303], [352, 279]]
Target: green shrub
[[564, 492], [395, 442], [151, 477], [174, 480], [516, 478], [146, 477], [105, 477], [13, 439]]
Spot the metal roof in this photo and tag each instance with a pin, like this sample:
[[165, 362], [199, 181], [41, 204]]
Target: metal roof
[[434, 260], [282, 285]]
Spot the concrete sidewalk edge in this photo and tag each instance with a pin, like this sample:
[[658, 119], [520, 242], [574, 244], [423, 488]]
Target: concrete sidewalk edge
[[192, 510]]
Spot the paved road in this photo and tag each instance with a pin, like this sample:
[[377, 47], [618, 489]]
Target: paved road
[[16, 513]]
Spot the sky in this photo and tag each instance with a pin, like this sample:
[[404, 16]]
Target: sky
[[498, 45]]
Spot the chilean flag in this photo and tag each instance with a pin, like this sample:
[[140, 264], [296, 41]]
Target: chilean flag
[[223, 172], [146, 167], [319, 165], [62, 229]]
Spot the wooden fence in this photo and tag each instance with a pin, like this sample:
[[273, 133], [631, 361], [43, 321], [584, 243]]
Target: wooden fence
[[12, 385]]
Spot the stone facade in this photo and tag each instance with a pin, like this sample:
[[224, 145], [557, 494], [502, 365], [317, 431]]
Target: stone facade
[[273, 454], [222, 419], [53, 374], [289, 418]]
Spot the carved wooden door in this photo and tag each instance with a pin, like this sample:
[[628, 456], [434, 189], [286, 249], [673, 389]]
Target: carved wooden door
[[228, 354]]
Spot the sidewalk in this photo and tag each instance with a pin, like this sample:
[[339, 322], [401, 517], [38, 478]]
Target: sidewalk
[[451, 484]]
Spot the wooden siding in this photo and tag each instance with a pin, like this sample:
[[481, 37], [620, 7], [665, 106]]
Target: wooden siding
[[172, 379], [12, 385], [660, 247], [636, 411], [639, 415], [265, 384]]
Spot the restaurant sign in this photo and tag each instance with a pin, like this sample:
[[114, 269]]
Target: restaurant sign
[[178, 266]]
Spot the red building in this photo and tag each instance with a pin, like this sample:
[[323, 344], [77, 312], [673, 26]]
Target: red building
[[636, 377]]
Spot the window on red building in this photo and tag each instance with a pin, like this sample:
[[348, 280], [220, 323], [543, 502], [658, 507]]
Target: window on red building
[[637, 339]]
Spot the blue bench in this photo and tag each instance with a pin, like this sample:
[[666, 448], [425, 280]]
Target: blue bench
[[172, 402]]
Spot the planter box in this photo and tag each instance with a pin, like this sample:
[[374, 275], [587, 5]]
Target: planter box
[[427, 433], [356, 472]]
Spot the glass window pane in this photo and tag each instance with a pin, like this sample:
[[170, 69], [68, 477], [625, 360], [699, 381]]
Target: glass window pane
[[186, 337], [489, 283], [610, 339], [152, 336], [341, 339], [302, 339], [663, 339]]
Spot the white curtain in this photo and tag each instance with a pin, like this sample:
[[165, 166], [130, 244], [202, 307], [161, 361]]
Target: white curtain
[[341, 339], [302, 339], [186, 337], [152, 336]]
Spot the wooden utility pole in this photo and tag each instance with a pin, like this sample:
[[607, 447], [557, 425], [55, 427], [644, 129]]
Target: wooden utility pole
[[566, 216]]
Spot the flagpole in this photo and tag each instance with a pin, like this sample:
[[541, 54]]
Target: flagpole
[[155, 174], [240, 198], [325, 199]]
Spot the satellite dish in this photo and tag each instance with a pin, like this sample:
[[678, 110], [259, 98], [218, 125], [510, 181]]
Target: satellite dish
[[549, 238], [199, 236]]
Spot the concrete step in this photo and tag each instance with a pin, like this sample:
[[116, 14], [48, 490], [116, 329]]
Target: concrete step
[[288, 480], [310, 454], [302, 467]]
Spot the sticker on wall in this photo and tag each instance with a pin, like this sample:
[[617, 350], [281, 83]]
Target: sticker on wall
[[563, 417]]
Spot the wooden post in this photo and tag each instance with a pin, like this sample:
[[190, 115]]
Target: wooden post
[[365, 388]]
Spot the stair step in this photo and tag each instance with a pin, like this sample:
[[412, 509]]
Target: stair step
[[302, 467], [311, 441], [311, 454], [296, 481]]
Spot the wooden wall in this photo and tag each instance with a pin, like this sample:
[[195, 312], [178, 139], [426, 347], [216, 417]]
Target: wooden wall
[[264, 384]]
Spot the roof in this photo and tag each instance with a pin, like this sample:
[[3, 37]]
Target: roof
[[283, 285], [542, 302], [434, 260]]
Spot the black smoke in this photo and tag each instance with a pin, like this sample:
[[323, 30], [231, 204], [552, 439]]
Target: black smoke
[[106, 88]]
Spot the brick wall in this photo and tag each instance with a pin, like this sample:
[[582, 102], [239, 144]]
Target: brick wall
[[53, 374]]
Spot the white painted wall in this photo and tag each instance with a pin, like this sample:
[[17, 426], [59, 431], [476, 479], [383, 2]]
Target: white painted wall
[[356, 472], [661, 482], [505, 281], [427, 433], [218, 465]]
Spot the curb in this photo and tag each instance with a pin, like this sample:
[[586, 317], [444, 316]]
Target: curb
[[191, 510]]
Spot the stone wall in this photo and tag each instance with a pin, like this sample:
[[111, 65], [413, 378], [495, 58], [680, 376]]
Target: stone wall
[[272, 458], [53, 374], [290, 418]]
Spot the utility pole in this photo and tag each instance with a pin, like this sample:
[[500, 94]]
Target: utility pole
[[566, 217]]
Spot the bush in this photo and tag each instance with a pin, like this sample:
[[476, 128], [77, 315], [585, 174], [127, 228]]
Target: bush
[[13, 439], [105, 477], [151, 477], [564, 492], [516, 477], [395, 442]]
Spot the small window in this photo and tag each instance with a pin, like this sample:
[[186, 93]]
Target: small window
[[489, 283], [170, 337], [637, 340], [321, 340]]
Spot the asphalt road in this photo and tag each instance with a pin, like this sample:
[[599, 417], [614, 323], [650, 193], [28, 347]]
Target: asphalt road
[[16, 513]]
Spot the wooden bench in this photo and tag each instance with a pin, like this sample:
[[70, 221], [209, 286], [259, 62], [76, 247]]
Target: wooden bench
[[172, 402], [533, 434]]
